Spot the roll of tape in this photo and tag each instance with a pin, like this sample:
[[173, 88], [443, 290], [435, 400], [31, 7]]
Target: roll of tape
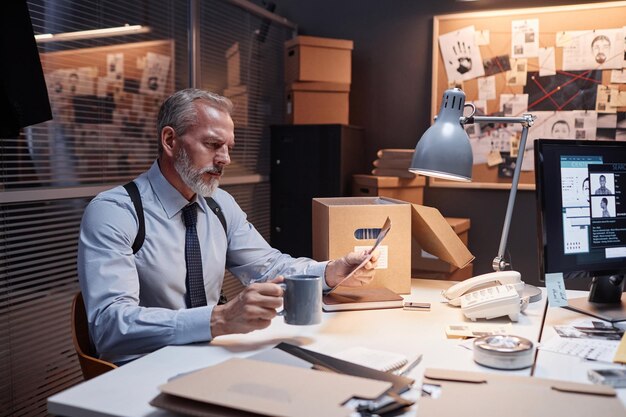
[[504, 352]]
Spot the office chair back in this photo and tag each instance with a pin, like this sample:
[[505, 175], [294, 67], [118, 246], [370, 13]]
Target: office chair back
[[85, 349]]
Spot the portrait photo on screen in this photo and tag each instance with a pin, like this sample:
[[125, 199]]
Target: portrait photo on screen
[[602, 206], [602, 183]]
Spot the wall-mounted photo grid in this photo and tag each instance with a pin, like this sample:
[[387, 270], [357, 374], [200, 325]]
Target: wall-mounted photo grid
[[565, 65]]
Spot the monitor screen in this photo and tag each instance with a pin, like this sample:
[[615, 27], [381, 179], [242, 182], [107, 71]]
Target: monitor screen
[[581, 201]]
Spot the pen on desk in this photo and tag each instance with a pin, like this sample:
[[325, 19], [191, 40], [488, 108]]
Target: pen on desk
[[412, 365]]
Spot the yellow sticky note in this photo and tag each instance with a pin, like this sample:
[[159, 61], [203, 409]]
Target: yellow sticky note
[[620, 355]]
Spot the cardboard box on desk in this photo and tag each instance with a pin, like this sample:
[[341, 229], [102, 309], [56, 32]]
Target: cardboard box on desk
[[314, 59], [337, 220], [318, 103], [405, 189]]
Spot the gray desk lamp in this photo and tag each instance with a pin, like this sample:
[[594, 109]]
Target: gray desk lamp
[[444, 151]]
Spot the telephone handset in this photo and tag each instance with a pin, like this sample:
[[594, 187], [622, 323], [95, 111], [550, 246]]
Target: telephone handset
[[454, 293]]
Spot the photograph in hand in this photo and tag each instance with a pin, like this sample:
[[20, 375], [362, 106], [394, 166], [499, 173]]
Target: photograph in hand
[[383, 232]]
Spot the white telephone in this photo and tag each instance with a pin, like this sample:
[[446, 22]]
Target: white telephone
[[489, 295]]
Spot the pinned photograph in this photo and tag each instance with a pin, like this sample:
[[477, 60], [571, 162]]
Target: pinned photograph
[[496, 64]]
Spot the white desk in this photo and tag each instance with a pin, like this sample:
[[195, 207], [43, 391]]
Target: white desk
[[570, 368], [126, 391]]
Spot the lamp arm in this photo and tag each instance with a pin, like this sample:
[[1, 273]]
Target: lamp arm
[[524, 120], [499, 264]]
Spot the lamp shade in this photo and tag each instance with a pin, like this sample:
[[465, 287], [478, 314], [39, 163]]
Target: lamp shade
[[444, 150]]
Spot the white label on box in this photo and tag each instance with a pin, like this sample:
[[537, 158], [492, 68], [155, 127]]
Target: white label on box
[[383, 256], [428, 255]]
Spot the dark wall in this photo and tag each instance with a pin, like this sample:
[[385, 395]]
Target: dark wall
[[390, 98]]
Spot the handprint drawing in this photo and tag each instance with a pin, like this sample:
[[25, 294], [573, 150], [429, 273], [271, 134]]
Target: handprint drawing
[[463, 54]]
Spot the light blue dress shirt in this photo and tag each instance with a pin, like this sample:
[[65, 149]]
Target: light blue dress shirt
[[136, 303]]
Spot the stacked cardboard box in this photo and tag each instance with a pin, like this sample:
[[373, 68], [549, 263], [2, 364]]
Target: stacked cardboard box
[[317, 78], [406, 189], [235, 90]]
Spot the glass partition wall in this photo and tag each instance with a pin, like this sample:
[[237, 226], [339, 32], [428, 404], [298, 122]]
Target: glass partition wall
[[108, 65]]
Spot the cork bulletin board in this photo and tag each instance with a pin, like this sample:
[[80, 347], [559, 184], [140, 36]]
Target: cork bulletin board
[[566, 65], [104, 102]]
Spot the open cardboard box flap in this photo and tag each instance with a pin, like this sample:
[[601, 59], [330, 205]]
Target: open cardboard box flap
[[463, 391], [435, 236]]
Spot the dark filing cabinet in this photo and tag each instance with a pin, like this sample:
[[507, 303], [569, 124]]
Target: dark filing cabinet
[[309, 161]]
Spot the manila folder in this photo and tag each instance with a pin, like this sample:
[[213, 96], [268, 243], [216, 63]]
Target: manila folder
[[497, 395], [273, 389]]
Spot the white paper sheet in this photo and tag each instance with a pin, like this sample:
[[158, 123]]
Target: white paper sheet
[[594, 49], [115, 66], [547, 63], [592, 349], [618, 76], [513, 104], [518, 72], [525, 38], [487, 88], [606, 99], [155, 73], [461, 55]]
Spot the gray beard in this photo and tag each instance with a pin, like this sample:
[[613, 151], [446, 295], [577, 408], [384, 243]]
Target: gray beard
[[192, 177]]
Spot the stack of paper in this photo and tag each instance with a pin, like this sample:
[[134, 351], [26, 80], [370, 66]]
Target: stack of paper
[[378, 359], [393, 163]]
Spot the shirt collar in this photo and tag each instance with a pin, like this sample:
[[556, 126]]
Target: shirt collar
[[171, 199]]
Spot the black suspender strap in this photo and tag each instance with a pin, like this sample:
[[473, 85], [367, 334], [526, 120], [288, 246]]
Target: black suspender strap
[[133, 192], [215, 208]]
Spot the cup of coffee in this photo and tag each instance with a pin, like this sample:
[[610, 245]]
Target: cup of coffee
[[302, 301]]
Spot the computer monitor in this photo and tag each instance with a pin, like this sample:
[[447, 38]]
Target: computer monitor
[[581, 204]]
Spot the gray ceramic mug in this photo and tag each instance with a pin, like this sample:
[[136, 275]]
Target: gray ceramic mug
[[302, 301]]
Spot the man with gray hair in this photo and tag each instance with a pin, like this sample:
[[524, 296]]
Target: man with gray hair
[[141, 299]]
